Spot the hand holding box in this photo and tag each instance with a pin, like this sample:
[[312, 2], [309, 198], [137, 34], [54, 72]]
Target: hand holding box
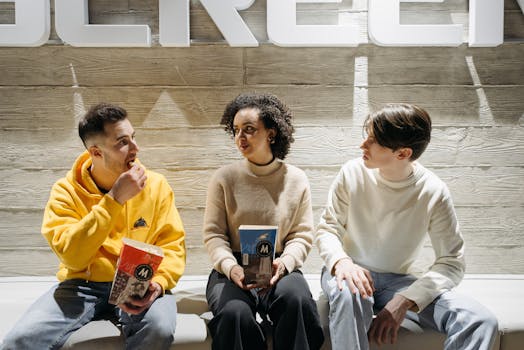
[[257, 245], [136, 266]]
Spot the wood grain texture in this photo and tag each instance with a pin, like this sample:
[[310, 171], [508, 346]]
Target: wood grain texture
[[175, 148], [175, 98], [490, 233], [482, 226], [42, 262], [59, 107], [479, 260], [500, 186], [158, 66], [221, 65]]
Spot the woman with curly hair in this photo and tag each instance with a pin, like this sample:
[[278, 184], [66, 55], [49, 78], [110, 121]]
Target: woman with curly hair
[[260, 190]]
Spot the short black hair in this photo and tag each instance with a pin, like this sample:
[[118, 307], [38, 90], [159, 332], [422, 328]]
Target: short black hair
[[272, 112], [94, 120], [401, 125]]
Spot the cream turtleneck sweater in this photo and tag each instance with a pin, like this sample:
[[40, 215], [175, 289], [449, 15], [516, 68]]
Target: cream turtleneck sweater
[[245, 193], [382, 226]]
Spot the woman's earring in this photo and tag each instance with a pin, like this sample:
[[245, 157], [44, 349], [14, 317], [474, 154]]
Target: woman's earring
[[271, 140]]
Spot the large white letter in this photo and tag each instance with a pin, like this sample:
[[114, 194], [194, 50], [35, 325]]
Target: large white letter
[[72, 25], [174, 23], [282, 28], [486, 23], [384, 27], [225, 15], [32, 24]]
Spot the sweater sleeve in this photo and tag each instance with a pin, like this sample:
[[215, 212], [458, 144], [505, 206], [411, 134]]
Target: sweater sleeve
[[170, 236], [74, 234], [215, 230], [333, 223], [448, 268], [299, 240]]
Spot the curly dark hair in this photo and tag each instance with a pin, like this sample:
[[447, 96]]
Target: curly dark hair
[[272, 112]]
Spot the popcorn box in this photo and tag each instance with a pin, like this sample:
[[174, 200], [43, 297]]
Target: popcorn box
[[136, 266], [257, 245]]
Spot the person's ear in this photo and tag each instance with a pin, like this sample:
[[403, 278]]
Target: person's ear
[[404, 153], [94, 151], [271, 135]]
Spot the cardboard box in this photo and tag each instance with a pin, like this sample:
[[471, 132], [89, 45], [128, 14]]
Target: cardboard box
[[257, 245], [136, 266]]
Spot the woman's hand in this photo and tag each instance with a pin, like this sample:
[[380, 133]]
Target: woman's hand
[[279, 271], [236, 275]]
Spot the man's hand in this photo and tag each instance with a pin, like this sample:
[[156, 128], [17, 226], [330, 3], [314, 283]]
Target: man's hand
[[135, 306], [279, 270], [129, 184], [385, 326], [358, 278], [236, 275]]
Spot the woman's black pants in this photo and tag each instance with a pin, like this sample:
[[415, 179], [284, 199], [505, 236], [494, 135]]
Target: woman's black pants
[[288, 307]]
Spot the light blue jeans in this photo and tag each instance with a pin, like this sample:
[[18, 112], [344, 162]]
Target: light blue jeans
[[71, 304], [467, 324]]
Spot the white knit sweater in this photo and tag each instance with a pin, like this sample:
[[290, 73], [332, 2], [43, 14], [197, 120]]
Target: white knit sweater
[[382, 226]]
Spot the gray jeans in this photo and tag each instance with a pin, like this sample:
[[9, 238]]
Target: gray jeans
[[69, 305], [466, 323]]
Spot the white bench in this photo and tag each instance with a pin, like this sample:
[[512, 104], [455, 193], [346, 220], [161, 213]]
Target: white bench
[[502, 294]]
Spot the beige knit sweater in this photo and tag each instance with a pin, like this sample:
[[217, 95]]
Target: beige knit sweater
[[244, 193]]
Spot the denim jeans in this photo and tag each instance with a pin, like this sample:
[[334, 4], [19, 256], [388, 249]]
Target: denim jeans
[[467, 324], [69, 305]]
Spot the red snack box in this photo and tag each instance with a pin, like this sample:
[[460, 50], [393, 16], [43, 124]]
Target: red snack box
[[136, 266]]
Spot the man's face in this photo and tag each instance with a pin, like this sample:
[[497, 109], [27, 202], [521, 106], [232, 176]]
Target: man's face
[[117, 147], [375, 155]]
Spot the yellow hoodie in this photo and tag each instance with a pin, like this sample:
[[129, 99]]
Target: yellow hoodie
[[85, 228]]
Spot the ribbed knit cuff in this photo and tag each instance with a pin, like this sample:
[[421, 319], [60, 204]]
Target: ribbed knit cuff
[[226, 265]]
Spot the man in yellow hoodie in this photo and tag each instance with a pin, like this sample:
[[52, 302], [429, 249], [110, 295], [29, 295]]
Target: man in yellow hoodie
[[106, 196]]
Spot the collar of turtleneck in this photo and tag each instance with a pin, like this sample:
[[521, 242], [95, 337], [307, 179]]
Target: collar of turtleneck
[[411, 179], [263, 170]]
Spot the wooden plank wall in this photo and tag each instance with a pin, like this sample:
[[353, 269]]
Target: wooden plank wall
[[175, 97]]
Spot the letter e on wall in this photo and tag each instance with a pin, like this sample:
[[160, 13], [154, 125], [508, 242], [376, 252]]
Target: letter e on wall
[[385, 29]]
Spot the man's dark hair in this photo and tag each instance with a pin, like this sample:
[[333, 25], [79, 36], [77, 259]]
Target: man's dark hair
[[93, 122], [272, 112], [400, 125]]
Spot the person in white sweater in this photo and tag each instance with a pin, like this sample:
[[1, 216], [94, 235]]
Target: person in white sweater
[[260, 190], [380, 209]]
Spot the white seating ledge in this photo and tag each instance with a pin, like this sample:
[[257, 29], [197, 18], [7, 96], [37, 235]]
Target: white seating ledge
[[502, 294]]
